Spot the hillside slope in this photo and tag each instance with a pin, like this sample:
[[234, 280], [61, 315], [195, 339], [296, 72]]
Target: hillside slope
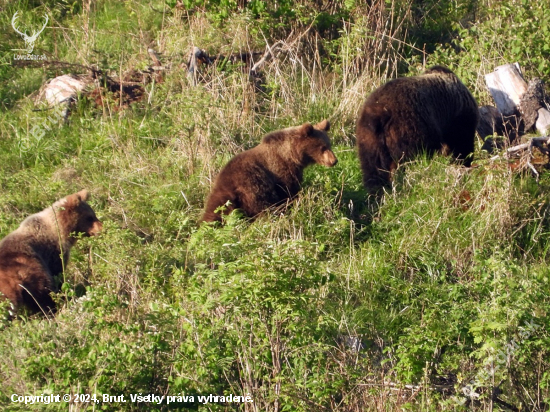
[[433, 297]]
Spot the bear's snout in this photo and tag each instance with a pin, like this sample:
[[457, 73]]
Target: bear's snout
[[329, 160], [96, 228]]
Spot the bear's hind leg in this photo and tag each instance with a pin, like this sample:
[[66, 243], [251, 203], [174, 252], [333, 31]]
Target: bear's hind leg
[[461, 141]]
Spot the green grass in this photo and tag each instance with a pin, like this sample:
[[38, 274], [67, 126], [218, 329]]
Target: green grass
[[435, 278]]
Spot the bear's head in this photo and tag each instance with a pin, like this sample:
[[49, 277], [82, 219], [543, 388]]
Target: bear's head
[[76, 216], [313, 144]]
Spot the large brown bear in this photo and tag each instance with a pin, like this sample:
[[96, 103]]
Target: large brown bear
[[39, 249], [271, 172], [431, 112]]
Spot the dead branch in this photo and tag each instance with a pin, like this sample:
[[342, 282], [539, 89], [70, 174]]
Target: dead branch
[[524, 152], [270, 52], [538, 142], [197, 56], [154, 56], [54, 64]]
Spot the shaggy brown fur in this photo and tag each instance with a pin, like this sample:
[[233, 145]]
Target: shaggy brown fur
[[271, 172], [432, 112], [39, 249]]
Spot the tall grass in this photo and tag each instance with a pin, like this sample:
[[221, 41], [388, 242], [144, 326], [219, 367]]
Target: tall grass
[[343, 302]]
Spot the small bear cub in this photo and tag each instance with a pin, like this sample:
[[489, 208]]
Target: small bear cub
[[37, 251], [270, 173]]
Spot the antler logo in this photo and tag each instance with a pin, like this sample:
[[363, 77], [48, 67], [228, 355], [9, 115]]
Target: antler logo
[[29, 40]]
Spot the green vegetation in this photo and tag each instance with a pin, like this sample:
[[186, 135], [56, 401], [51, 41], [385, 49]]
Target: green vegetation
[[344, 302]]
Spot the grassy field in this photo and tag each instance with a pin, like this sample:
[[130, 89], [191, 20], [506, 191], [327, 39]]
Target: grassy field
[[434, 297]]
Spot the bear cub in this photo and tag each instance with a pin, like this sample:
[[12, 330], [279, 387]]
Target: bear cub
[[270, 173], [38, 250], [431, 112]]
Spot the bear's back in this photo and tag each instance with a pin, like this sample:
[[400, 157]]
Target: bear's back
[[259, 171], [433, 94], [431, 112]]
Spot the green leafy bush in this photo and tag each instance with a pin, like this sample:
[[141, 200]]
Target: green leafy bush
[[507, 32]]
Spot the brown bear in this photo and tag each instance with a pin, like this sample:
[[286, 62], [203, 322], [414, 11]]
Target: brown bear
[[39, 249], [271, 172], [431, 112]]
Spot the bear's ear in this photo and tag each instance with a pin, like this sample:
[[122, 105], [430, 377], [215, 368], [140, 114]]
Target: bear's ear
[[306, 129], [75, 199], [324, 125], [83, 195]]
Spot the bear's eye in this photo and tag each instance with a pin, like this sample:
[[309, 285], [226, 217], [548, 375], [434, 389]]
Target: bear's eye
[[90, 219]]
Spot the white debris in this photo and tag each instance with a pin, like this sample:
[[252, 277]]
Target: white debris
[[64, 89]]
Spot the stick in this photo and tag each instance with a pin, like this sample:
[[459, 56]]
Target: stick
[[269, 52]]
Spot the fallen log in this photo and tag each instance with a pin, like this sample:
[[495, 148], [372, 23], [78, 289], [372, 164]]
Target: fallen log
[[530, 103], [515, 97], [543, 121], [506, 85]]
